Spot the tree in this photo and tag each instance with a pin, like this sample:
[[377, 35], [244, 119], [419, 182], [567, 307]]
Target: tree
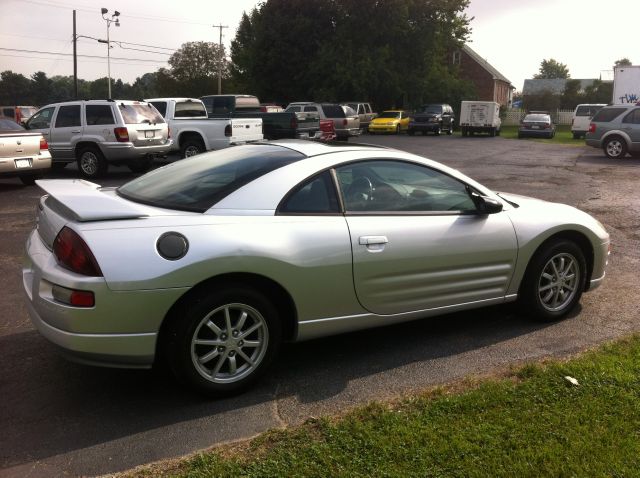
[[14, 88], [571, 96], [195, 66], [40, 89], [552, 69], [622, 62]]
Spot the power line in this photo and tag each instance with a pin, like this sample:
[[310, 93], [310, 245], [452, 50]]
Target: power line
[[104, 61], [70, 54]]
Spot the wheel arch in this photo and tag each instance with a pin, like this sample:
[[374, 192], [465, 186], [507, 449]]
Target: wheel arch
[[578, 238], [187, 135], [274, 291], [616, 133], [85, 144]]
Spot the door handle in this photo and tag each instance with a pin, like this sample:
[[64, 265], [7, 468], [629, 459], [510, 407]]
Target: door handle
[[76, 131], [369, 240]]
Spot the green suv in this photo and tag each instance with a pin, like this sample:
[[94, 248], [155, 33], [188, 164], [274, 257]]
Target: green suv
[[616, 129]]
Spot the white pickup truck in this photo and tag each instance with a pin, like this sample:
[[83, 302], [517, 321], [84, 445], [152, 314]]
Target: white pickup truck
[[193, 132]]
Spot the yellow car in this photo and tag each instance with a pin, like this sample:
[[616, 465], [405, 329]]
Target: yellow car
[[391, 121]]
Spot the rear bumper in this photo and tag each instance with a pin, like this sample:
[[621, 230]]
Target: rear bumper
[[38, 163], [346, 133], [119, 331], [120, 151], [535, 133]]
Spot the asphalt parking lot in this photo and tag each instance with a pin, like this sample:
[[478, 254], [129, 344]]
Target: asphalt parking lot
[[61, 418]]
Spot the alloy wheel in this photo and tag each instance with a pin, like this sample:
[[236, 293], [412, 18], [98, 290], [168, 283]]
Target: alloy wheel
[[558, 283]]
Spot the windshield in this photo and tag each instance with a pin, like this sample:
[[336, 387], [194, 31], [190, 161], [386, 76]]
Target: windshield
[[197, 183], [140, 113], [389, 114], [435, 109]]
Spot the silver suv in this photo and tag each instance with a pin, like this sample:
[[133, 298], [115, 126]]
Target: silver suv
[[345, 121], [616, 129], [96, 133]]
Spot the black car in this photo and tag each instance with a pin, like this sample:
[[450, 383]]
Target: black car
[[537, 125], [434, 118]]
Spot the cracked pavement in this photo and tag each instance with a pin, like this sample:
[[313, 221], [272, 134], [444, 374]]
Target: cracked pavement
[[59, 418]]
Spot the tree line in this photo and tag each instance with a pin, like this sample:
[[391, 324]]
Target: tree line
[[390, 52]]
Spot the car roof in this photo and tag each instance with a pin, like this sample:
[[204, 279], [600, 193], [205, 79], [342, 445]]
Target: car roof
[[149, 100], [97, 102], [314, 148]]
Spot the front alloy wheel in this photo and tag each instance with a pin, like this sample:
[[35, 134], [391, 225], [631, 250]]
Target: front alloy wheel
[[558, 283]]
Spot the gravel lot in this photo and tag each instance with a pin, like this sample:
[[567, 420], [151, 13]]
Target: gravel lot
[[61, 418]]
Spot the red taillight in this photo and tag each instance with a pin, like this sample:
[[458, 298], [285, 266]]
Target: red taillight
[[73, 253], [227, 130], [592, 128], [43, 144], [294, 122], [122, 135]]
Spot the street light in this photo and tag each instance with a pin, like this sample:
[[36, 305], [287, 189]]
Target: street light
[[114, 19]]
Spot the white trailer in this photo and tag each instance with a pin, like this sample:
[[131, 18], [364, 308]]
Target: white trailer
[[480, 117], [626, 84]]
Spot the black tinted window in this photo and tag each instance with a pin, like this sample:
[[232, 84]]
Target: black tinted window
[[68, 116], [223, 105], [8, 112], [197, 183], [42, 119], [161, 106], [316, 195], [633, 117], [140, 113], [99, 114], [608, 114], [333, 111]]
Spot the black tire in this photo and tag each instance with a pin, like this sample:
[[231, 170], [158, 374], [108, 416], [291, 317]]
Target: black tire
[[577, 135], [411, 132], [398, 130], [540, 278], [140, 165], [492, 132], [450, 130], [191, 147], [615, 147], [191, 324], [464, 132], [438, 130], [91, 162]]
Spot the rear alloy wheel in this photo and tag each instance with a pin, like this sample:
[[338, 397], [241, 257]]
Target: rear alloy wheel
[[615, 148], [223, 342], [192, 147], [554, 281], [91, 162]]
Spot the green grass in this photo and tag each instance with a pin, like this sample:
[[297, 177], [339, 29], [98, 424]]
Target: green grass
[[529, 423], [563, 136]]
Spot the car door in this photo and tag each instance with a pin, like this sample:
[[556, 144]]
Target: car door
[[41, 122], [66, 131], [631, 126], [418, 241]]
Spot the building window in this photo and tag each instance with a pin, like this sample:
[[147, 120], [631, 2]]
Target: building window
[[457, 55]]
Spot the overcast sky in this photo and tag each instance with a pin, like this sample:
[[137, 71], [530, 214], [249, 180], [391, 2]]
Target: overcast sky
[[513, 35]]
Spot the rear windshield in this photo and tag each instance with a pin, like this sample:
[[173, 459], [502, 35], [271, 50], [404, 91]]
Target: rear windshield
[[333, 111], [197, 183], [546, 118], [607, 114], [190, 109], [587, 110], [140, 113], [8, 125]]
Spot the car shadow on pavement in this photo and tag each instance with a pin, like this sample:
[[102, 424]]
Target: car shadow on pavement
[[52, 406]]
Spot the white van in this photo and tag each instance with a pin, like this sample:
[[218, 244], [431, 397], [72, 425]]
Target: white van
[[480, 117], [582, 119]]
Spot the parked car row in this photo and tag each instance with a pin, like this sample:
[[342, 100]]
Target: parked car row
[[23, 154]]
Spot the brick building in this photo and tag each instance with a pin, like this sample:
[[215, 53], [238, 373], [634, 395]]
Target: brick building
[[491, 85]]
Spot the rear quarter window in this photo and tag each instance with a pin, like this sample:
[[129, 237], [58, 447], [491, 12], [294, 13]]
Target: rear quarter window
[[608, 114], [190, 109], [99, 115], [333, 111]]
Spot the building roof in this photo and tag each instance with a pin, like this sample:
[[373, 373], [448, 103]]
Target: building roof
[[485, 64], [537, 86]]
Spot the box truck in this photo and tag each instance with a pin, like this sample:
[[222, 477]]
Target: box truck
[[626, 84], [480, 117]]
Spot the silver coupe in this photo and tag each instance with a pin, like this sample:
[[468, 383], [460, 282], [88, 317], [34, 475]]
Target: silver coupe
[[210, 263]]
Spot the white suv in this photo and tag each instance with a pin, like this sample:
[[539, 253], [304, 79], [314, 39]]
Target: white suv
[[96, 133], [582, 119]]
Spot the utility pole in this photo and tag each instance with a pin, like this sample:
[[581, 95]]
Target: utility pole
[[114, 19], [220, 55], [75, 59]]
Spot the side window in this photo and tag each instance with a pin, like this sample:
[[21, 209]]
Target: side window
[[396, 186], [68, 116], [98, 115], [42, 119], [311, 108], [368, 108], [633, 117], [161, 106], [314, 196], [295, 109], [8, 112], [223, 105]]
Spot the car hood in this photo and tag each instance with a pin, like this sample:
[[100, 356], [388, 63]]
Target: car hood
[[384, 120], [427, 115]]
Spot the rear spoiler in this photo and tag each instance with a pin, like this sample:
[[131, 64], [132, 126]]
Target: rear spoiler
[[86, 202]]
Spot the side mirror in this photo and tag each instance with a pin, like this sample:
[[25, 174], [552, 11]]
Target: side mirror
[[486, 205]]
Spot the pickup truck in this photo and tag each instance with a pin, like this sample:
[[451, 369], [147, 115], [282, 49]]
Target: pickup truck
[[364, 112], [274, 125], [194, 132]]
